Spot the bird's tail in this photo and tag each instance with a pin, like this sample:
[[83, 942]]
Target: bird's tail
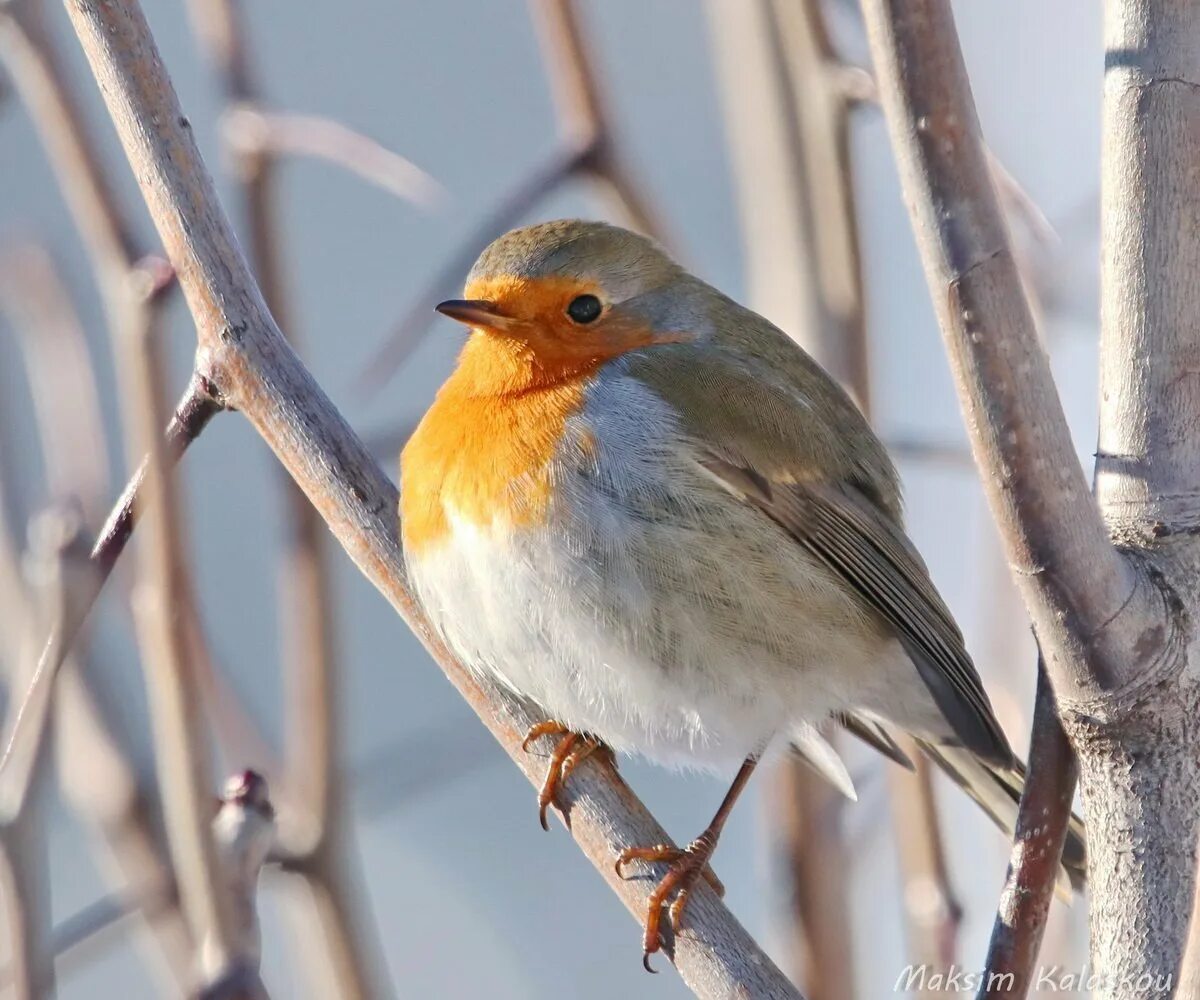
[[997, 789]]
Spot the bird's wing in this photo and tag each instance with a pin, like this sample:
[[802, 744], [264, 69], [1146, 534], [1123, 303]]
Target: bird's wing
[[875, 735], [837, 518]]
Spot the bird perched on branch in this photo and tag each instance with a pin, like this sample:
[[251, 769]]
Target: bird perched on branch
[[644, 509]]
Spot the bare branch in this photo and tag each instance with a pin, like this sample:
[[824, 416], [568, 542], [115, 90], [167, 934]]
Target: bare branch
[[244, 830], [787, 132], [41, 83], [316, 837], [198, 405], [53, 536], [24, 875], [95, 769], [244, 353], [253, 132], [1073, 581], [180, 741], [1137, 743], [931, 908], [195, 410], [1033, 871], [582, 117], [1148, 466], [57, 359], [806, 816]]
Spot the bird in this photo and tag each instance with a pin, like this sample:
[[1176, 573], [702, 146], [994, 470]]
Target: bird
[[645, 511]]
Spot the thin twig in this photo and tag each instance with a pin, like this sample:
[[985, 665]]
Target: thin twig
[[181, 750], [198, 405], [1033, 871], [405, 337], [244, 354], [59, 367], [252, 131], [244, 830], [582, 116], [195, 410], [24, 875], [95, 766], [56, 533]]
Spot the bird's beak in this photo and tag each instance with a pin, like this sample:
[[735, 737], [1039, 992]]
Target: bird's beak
[[474, 312]]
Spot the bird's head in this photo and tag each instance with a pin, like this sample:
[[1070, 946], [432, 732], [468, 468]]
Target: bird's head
[[562, 296]]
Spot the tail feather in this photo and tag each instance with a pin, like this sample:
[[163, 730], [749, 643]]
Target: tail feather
[[997, 790]]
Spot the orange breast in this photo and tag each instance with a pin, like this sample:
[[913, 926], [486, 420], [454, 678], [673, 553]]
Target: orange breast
[[484, 454]]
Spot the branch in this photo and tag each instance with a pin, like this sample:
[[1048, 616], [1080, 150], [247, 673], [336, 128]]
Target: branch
[[54, 535], [95, 768], [59, 368], [316, 840], [244, 353], [1073, 581], [1033, 871], [24, 873], [180, 740], [252, 132], [191, 416], [244, 830], [582, 118], [198, 405], [125, 276], [1148, 465]]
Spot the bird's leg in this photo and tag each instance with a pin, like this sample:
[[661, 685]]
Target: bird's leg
[[684, 867], [571, 750]]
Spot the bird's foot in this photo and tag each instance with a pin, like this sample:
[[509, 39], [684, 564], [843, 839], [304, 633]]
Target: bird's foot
[[684, 867], [569, 752]]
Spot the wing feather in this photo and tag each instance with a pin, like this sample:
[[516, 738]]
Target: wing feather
[[869, 552]]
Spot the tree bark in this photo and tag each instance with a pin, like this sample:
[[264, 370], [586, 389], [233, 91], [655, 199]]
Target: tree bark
[[1112, 598]]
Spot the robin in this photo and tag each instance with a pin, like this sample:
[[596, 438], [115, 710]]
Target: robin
[[643, 508]]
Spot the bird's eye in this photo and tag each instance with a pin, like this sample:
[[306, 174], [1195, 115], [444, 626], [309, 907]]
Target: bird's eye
[[585, 309]]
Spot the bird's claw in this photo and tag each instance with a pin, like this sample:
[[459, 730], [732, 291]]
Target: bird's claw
[[571, 750], [684, 867]]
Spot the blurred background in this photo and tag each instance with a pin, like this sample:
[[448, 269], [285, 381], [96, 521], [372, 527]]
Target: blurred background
[[456, 890]]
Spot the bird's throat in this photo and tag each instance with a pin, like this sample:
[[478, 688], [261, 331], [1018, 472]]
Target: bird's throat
[[482, 453]]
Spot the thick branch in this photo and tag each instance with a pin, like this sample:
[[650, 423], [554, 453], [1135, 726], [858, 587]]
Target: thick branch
[[1148, 464], [247, 357], [1073, 581]]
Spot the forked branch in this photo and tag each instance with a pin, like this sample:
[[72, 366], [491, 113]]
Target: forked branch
[[1073, 580]]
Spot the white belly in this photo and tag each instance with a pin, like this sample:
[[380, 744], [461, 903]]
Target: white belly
[[653, 610]]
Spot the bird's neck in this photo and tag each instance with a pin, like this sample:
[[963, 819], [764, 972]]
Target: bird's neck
[[493, 367], [484, 450]]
